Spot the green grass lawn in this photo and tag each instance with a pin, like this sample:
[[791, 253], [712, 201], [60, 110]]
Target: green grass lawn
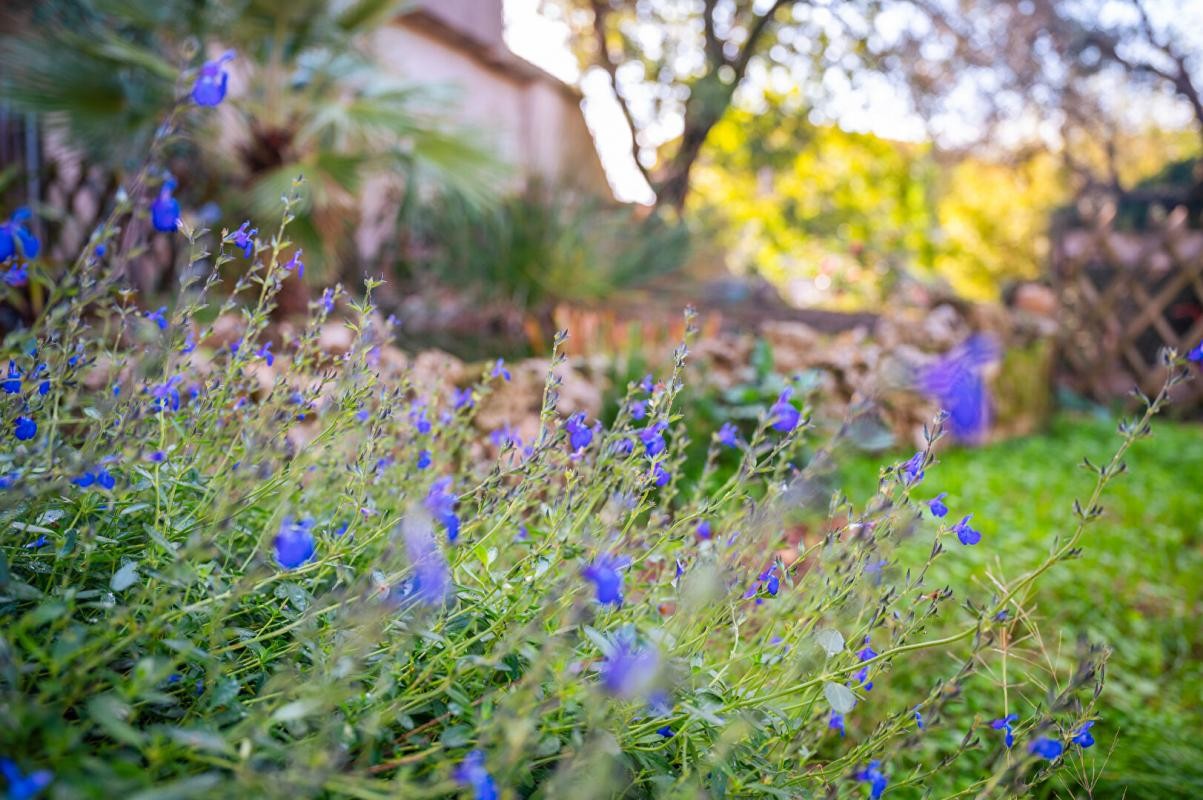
[[1138, 585]]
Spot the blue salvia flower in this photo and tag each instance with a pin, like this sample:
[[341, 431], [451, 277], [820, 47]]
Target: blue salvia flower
[[158, 317], [500, 370], [936, 505], [638, 409], [704, 530], [431, 581], [1196, 354], [579, 434], [728, 435], [628, 669], [462, 398], [424, 459], [38, 543], [17, 275], [912, 468], [648, 383], [785, 415], [660, 476], [836, 723], [294, 544], [165, 210], [12, 384], [1004, 724], [660, 705], [440, 501], [212, 81], [22, 786], [606, 576], [653, 438], [918, 719], [244, 238], [16, 238], [265, 352], [295, 263], [876, 779], [471, 774], [966, 534], [1084, 738], [861, 676], [24, 428], [327, 301], [1046, 748], [955, 380]]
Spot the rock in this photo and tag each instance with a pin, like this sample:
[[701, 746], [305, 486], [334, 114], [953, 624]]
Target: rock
[[226, 329], [335, 339], [436, 372]]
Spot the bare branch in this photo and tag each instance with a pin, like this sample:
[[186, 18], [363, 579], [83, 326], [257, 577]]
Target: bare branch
[[608, 63], [754, 33]]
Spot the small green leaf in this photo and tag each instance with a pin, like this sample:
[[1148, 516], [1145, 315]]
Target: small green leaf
[[124, 577], [839, 696]]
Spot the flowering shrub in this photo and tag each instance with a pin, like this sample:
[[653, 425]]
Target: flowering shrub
[[315, 588]]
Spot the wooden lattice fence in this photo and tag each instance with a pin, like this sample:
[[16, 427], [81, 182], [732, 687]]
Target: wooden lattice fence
[[1124, 296]]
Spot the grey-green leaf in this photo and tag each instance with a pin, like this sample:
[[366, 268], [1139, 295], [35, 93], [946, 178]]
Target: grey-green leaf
[[831, 641], [839, 696], [124, 577]]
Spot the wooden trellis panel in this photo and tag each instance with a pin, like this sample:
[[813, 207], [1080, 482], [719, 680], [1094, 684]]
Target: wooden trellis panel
[[1124, 296]]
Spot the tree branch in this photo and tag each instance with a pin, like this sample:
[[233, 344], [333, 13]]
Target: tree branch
[[606, 59], [714, 47], [754, 33]]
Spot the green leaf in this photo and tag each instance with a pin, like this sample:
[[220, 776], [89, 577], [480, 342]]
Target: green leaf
[[840, 697]]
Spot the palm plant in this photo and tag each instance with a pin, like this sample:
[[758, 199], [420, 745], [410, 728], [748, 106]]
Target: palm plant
[[315, 102]]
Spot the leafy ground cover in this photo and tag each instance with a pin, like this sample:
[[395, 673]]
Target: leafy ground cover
[[1135, 587]]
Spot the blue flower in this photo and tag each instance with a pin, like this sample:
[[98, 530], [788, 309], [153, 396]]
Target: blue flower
[[294, 543], [15, 235], [22, 786], [212, 81], [966, 534], [648, 383], [165, 210], [1046, 748], [431, 579], [1195, 355], [500, 371], [424, 459], [728, 435], [105, 479], [912, 469], [327, 300], [12, 384], [936, 505], [653, 438], [1004, 724], [471, 774], [628, 670], [955, 380], [785, 415], [17, 275], [660, 475], [440, 502], [861, 676], [1084, 738], [265, 352], [836, 722], [244, 238], [918, 719], [704, 530], [638, 409], [24, 428], [606, 577], [295, 263], [579, 434], [461, 399], [873, 776], [158, 317]]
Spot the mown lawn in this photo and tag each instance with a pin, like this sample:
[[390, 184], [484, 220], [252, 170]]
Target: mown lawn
[[1138, 585]]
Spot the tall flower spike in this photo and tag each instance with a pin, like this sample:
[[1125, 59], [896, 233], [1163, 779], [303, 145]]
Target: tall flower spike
[[212, 81]]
